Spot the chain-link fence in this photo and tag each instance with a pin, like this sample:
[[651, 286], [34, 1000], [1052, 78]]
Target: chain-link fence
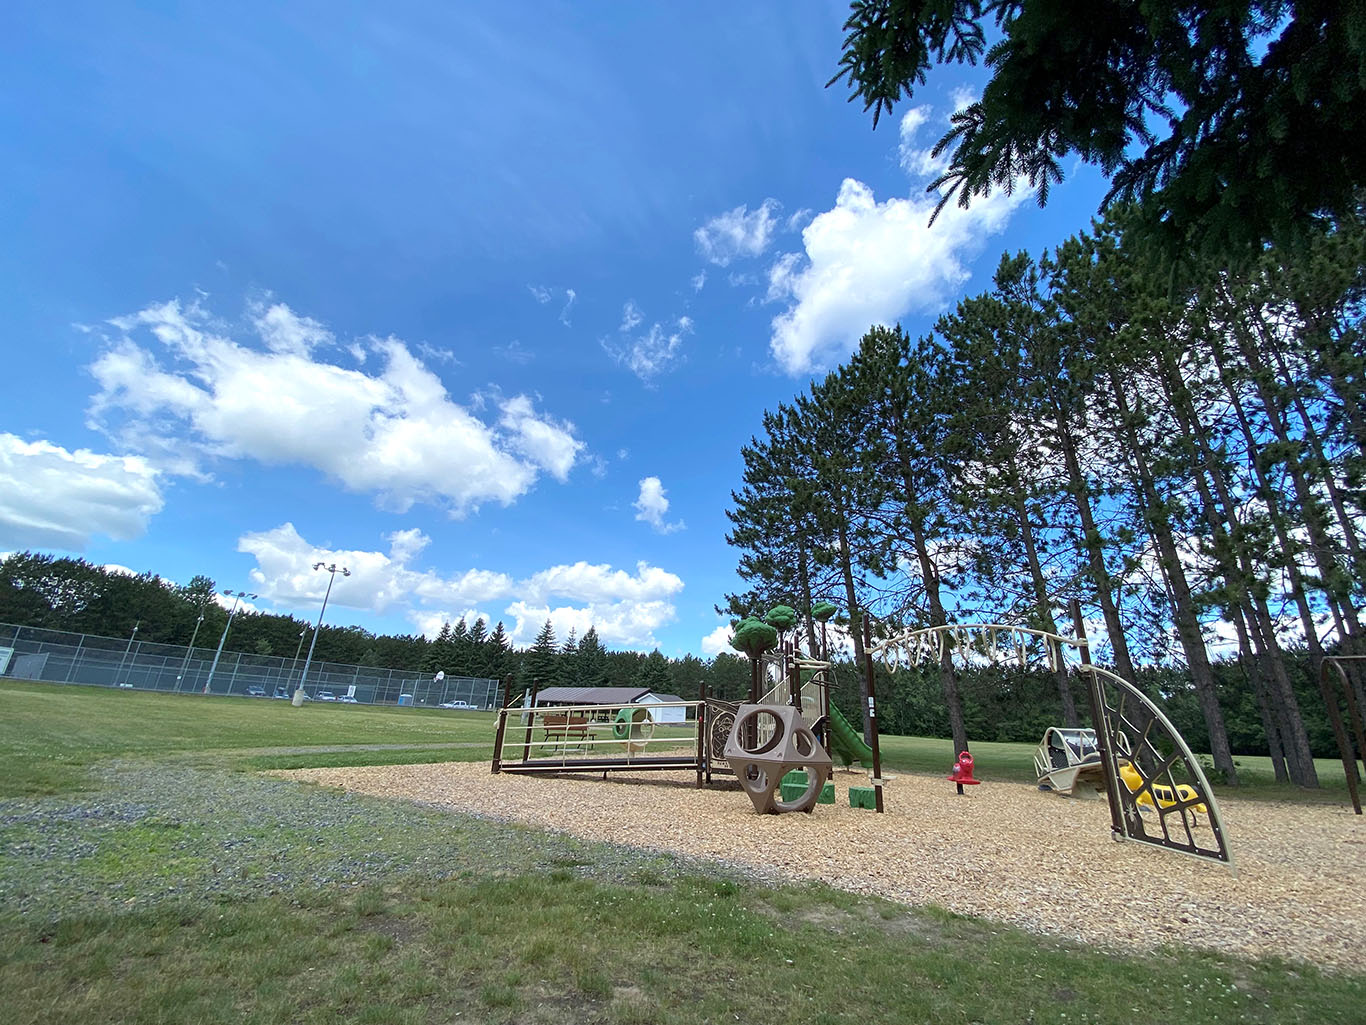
[[32, 653]]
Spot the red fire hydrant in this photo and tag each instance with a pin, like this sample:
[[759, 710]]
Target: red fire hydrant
[[962, 772]]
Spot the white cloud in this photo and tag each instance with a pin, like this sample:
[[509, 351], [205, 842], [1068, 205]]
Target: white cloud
[[652, 353], [717, 641], [867, 263], [737, 233], [542, 441], [284, 331], [429, 624], [54, 498], [917, 160], [586, 582], [540, 293], [626, 607], [571, 296], [652, 506], [395, 433], [432, 354], [624, 624], [630, 316], [699, 280]]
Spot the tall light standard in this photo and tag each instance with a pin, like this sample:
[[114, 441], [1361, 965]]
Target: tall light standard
[[126, 650], [332, 569], [236, 597], [181, 675]]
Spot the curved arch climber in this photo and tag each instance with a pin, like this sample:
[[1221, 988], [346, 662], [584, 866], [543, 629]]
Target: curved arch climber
[[1147, 765], [1160, 774]]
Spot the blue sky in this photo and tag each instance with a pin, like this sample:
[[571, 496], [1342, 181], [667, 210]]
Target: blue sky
[[479, 301]]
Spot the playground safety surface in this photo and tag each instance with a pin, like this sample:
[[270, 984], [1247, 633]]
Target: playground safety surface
[[1003, 852]]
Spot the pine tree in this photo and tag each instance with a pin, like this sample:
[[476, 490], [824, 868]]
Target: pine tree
[[541, 662]]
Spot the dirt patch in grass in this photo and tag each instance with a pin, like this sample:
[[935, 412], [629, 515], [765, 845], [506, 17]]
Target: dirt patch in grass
[[1005, 852]]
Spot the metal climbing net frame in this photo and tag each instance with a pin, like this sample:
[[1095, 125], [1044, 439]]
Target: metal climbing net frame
[[1148, 766]]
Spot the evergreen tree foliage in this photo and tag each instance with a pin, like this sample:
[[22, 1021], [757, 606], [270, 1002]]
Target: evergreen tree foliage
[[1234, 124]]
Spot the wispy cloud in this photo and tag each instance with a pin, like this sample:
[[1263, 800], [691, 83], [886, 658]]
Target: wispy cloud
[[737, 233]]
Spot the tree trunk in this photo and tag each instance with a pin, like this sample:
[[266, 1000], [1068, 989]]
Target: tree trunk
[[1185, 616], [1042, 604]]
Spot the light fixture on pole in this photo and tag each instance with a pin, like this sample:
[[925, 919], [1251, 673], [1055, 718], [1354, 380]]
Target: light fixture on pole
[[236, 597], [181, 675], [332, 569]]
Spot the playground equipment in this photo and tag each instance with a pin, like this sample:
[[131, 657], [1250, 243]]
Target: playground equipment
[[846, 743], [765, 744], [962, 772], [1067, 761], [788, 724], [1127, 726], [634, 726], [1145, 791]]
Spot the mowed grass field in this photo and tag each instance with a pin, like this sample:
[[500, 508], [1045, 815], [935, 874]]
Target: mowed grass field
[[150, 873]]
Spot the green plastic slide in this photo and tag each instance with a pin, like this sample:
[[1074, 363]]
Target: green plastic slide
[[845, 741]]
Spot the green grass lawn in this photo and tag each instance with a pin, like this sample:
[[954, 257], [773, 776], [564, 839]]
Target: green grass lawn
[[51, 734], [147, 876]]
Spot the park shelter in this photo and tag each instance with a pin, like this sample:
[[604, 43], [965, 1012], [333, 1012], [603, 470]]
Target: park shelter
[[590, 695]]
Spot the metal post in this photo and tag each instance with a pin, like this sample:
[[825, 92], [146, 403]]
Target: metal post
[[872, 714], [188, 651], [332, 569], [236, 597], [126, 651], [75, 657]]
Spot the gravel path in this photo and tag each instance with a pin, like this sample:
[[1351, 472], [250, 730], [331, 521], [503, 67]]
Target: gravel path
[[1004, 852]]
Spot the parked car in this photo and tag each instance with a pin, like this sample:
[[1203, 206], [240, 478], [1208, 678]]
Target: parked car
[[325, 695], [347, 699], [457, 704], [256, 691], [281, 692]]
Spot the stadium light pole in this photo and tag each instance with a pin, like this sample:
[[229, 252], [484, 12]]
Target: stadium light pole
[[332, 569], [180, 677], [236, 597], [119, 674]]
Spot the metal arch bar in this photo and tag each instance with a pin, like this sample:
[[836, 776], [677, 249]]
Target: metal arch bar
[[1110, 764], [901, 641]]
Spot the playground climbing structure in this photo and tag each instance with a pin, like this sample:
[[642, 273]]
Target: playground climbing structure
[[1155, 787]]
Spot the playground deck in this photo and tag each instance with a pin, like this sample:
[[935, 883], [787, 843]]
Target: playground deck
[[1005, 852]]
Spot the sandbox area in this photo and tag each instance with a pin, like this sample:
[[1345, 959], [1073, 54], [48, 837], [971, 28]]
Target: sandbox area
[[1004, 852]]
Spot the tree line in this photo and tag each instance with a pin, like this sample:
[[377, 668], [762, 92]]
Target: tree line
[[1179, 454], [76, 596]]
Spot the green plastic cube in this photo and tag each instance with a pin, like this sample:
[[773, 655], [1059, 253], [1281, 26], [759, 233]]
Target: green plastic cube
[[862, 797], [796, 776], [793, 791], [827, 794]]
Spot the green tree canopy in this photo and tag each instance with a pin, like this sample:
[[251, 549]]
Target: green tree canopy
[[1234, 123], [782, 618], [823, 610], [754, 637]]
